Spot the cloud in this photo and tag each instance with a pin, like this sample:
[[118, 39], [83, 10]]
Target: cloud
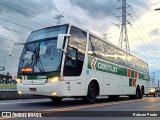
[[94, 15], [139, 6], [155, 31], [97, 10], [28, 9], [7, 36]]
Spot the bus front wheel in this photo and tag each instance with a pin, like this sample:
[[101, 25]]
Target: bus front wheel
[[56, 99], [91, 94]]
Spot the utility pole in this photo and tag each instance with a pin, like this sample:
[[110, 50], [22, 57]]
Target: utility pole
[[59, 17], [123, 39], [158, 83], [153, 78]]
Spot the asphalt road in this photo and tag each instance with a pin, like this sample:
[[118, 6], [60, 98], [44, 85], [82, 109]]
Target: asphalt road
[[124, 108]]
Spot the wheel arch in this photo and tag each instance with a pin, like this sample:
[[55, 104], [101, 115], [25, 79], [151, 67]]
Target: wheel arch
[[97, 85]]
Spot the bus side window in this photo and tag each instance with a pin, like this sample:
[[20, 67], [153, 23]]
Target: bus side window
[[77, 42], [130, 61], [121, 57], [71, 57], [110, 53], [91, 47]]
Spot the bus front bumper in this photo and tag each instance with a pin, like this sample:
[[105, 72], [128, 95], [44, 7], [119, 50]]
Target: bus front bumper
[[47, 89]]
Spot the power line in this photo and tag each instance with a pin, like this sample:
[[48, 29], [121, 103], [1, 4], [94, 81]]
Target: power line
[[16, 24], [14, 30], [36, 8], [106, 9], [82, 7], [21, 17], [14, 8], [141, 30]]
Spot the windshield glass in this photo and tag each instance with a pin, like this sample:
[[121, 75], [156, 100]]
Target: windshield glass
[[47, 32], [40, 53], [41, 56]]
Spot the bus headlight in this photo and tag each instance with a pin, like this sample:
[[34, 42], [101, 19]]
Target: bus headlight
[[19, 80], [152, 90], [54, 79], [19, 92]]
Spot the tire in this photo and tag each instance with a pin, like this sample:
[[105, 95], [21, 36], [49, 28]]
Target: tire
[[56, 99], [142, 90], [91, 94], [155, 95], [138, 93]]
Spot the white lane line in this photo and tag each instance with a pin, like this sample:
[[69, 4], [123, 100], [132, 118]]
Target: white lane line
[[91, 106], [84, 106]]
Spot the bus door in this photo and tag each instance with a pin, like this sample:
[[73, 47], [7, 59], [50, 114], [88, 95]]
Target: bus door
[[74, 60]]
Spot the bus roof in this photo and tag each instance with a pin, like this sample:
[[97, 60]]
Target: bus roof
[[90, 32]]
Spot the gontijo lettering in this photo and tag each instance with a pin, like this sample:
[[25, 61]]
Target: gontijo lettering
[[107, 67]]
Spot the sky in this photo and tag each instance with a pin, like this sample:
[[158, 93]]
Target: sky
[[19, 17]]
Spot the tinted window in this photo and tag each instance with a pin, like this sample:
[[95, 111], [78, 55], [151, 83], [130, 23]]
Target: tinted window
[[96, 47], [130, 61], [110, 53], [121, 57], [47, 33], [77, 42]]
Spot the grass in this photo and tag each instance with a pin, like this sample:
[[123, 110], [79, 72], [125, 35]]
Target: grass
[[8, 85]]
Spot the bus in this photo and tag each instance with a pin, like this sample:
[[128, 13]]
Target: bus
[[68, 61]]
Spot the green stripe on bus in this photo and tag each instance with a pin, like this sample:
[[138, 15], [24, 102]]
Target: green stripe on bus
[[108, 67], [37, 77]]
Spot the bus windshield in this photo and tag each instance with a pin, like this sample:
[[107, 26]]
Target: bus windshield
[[41, 56], [40, 53]]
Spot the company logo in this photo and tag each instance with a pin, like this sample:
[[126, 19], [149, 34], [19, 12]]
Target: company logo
[[6, 114], [93, 63], [98, 65], [41, 77], [107, 67], [20, 115]]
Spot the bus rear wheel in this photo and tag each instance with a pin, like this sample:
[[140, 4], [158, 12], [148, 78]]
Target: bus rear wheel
[[138, 93], [92, 94], [56, 99]]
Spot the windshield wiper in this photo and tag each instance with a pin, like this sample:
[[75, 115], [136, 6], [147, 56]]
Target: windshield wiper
[[35, 59]]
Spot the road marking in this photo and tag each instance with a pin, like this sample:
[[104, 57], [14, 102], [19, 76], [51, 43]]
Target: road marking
[[150, 106], [81, 107], [89, 106]]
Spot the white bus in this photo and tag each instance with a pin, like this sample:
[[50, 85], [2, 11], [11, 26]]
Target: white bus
[[67, 61]]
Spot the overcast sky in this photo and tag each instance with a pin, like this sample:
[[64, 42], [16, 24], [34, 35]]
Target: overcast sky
[[19, 17]]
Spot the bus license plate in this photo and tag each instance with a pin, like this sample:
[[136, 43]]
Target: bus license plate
[[33, 89]]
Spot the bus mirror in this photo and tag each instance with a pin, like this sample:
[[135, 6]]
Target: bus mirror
[[19, 43], [60, 41], [12, 45], [10, 49]]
